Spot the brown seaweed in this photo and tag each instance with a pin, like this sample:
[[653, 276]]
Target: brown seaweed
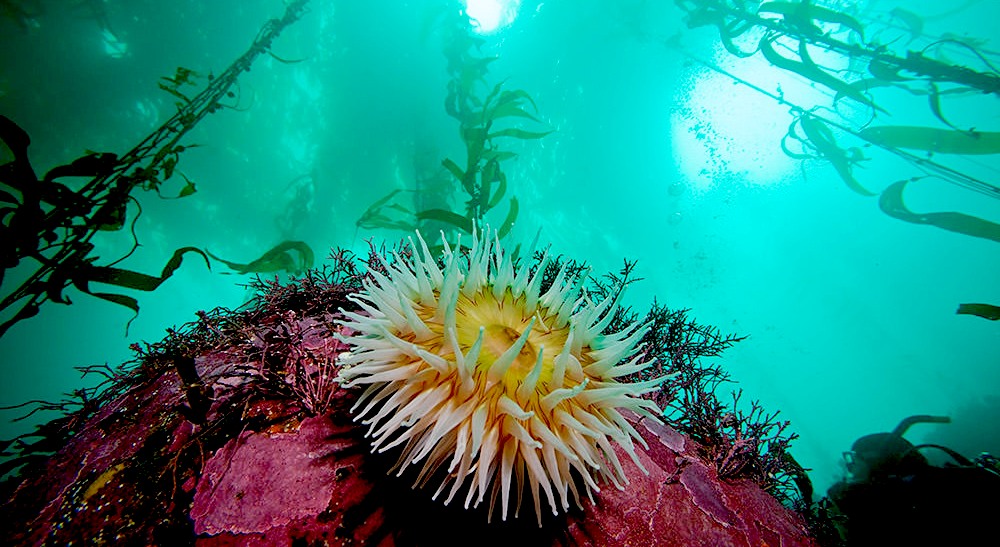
[[817, 137], [295, 257], [986, 311], [891, 203], [482, 177], [933, 140], [47, 227], [804, 16]]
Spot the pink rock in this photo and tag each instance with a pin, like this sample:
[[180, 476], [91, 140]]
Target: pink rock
[[257, 481], [258, 471], [683, 504]]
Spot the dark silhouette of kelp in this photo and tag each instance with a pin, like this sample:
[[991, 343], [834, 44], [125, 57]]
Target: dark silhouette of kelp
[[986, 311], [47, 223], [294, 257]]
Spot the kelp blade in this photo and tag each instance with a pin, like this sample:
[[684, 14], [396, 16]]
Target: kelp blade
[[822, 139], [276, 259], [986, 311], [808, 69], [448, 217], [938, 141], [803, 14], [135, 280], [508, 222], [891, 203], [129, 279], [454, 169], [29, 310], [518, 133]]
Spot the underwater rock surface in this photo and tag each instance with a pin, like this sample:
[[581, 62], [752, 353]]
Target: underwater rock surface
[[254, 465]]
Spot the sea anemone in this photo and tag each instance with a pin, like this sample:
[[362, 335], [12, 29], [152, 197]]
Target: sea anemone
[[473, 371]]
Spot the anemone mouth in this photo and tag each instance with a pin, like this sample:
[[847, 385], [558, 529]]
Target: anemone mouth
[[472, 371]]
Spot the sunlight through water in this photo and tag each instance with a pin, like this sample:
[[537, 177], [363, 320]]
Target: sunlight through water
[[492, 15], [727, 132]]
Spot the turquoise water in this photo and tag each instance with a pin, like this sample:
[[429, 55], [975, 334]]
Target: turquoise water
[[654, 157]]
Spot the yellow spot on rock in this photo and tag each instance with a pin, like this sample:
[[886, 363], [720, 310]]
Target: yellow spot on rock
[[101, 480]]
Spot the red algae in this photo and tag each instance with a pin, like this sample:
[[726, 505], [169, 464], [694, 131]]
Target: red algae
[[266, 461]]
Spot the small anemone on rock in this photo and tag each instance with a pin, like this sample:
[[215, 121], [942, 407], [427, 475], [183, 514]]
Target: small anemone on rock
[[492, 385]]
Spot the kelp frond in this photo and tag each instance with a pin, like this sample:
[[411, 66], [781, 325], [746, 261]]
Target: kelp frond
[[46, 223], [482, 177]]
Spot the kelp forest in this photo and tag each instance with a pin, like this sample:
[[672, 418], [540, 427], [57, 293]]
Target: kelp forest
[[816, 181], [476, 107], [868, 65], [50, 225], [879, 64]]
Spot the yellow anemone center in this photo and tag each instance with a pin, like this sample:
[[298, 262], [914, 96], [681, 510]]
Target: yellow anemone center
[[503, 321]]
